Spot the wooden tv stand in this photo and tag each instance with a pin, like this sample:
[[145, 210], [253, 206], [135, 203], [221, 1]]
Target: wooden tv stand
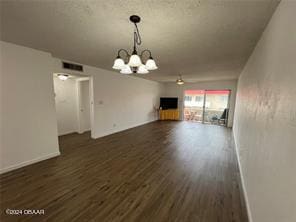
[[169, 114]]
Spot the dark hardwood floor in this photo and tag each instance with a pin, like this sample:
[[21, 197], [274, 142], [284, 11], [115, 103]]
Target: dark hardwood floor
[[162, 171]]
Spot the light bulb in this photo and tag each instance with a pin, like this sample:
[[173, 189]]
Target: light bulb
[[118, 63], [180, 81], [135, 61], [126, 70], [63, 76], [142, 70], [150, 64]]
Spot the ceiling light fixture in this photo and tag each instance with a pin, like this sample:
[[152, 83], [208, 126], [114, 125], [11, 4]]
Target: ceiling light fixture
[[133, 63], [180, 81], [63, 76]]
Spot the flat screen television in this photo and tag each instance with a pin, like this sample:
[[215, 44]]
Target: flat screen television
[[168, 103]]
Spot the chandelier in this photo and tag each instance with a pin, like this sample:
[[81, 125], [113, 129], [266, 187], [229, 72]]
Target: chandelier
[[134, 63]]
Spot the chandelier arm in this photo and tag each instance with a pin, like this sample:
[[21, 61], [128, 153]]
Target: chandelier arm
[[146, 50], [123, 50], [127, 55]]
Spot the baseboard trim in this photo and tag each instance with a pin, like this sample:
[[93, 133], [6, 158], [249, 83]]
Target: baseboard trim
[[122, 129], [242, 181], [64, 134], [29, 162]]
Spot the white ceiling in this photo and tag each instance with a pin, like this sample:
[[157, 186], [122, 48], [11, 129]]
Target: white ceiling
[[202, 40]]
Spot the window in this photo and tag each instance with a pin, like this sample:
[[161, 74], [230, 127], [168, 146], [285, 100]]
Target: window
[[188, 98], [198, 98], [224, 98]]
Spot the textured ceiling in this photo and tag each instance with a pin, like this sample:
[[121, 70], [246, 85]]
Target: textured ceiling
[[202, 40]]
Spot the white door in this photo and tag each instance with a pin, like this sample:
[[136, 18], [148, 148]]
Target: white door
[[84, 106]]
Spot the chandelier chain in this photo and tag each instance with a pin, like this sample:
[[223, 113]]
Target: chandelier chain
[[137, 36]]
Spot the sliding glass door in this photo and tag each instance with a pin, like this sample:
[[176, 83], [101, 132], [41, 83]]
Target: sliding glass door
[[216, 107], [193, 105], [206, 106]]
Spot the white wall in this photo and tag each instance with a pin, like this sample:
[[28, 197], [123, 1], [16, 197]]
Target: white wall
[[28, 123], [121, 101], [265, 121], [174, 90], [66, 103]]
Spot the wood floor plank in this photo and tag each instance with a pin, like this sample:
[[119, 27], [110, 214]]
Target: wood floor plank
[[162, 171]]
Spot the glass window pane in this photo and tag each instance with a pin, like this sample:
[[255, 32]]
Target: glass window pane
[[216, 107], [193, 105]]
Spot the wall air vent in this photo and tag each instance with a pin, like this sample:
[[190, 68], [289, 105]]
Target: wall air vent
[[72, 66]]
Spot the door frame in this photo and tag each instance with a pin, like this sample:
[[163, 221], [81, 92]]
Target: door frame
[[79, 102], [91, 102]]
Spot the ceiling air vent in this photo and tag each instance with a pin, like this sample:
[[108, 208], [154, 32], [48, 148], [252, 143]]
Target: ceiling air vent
[[72, 66]]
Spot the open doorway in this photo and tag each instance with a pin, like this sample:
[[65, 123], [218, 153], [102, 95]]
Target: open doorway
[[207, 106], [73, 103]]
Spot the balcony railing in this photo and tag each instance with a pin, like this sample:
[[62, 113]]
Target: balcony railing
[[210, 116]]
